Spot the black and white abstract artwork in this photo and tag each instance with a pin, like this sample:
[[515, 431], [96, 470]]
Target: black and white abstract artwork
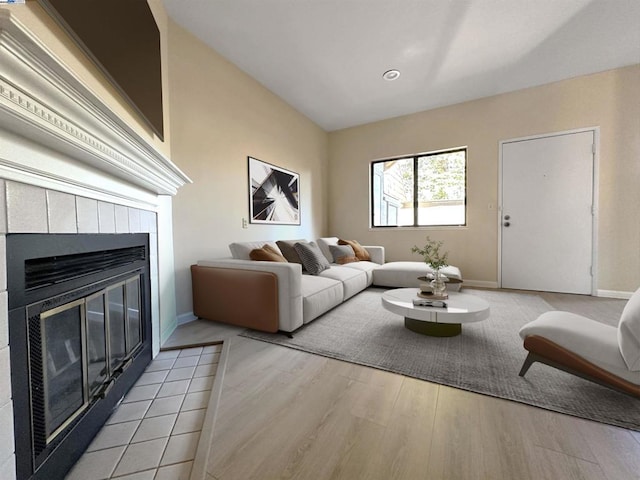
[[274, 194]]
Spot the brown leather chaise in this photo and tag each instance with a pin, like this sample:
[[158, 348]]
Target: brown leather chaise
[[592, 350]]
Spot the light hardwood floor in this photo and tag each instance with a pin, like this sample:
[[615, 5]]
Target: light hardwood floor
[[289, 414]]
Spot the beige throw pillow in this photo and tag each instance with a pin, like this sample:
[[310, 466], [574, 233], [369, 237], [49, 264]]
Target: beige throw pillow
[[360, 251], [266, 254], [343, 260]]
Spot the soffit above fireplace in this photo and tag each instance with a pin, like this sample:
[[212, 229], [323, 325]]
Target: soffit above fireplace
[[42, 100]]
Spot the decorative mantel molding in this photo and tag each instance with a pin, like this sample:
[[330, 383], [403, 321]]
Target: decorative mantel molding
[[42, 100]]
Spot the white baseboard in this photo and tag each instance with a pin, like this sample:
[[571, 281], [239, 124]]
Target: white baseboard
[[186, 318], [614, 294], [599, 293], [479, 283]]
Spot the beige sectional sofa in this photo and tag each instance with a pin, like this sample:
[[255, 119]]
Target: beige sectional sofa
[[272, 296]]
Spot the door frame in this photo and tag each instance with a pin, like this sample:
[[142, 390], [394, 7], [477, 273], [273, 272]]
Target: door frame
[[594, 192]]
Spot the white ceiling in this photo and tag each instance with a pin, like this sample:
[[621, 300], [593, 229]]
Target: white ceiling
[[326, 57]]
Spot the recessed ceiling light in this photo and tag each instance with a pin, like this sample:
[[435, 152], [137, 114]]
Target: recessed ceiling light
[[391, 75]]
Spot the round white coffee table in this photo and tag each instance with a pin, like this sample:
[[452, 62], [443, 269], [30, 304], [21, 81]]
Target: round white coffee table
[[436, 321]]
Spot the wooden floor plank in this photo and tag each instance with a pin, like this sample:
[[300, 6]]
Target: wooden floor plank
[[616, 450], [552, 431], [477, 437], [404, 451], [551, 464]]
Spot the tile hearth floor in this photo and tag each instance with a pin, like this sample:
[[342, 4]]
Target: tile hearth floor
[[154, 432]]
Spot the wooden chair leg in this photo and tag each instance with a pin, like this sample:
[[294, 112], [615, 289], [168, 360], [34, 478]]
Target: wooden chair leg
[[531, 358]]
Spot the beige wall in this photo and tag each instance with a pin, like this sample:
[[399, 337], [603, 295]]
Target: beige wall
[[219, 116], [610, 100]]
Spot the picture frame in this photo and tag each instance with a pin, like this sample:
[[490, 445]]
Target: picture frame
[[273, 194]]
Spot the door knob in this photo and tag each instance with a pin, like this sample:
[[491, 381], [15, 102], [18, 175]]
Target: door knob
[[506, 224], [507, 217]]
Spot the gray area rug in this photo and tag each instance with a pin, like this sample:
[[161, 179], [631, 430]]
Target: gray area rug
[[485, 358]]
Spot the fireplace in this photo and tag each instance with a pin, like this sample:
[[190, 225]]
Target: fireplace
[[74, 162], [79, 330]]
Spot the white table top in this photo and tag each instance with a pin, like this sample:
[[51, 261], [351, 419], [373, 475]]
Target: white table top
[[461, 307]]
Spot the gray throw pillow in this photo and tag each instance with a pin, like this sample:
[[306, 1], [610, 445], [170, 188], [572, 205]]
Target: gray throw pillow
[[339, 252], [312, 258], [288, 252]]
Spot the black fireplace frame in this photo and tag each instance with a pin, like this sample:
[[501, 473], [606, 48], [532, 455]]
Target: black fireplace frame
[[59, 456]]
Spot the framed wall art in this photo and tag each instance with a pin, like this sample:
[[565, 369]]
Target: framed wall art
[[274, 194]]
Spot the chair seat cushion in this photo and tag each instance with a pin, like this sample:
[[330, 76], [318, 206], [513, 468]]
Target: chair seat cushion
[[594, 341], [629, 332]]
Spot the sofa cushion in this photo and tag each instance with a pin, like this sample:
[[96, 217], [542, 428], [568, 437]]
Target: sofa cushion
[[342, 254], [354, 281], [312, 258], [288, 252], [360, 251], [242, 250], [364, 266], [266, 254], [591, 340], [319, 295], [629, 332]]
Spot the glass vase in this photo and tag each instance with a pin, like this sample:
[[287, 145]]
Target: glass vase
[[438, 284]]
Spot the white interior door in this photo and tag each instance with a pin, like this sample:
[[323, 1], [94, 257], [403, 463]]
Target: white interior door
[[547, 213]]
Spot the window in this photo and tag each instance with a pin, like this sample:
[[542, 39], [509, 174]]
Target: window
[[420, 191]]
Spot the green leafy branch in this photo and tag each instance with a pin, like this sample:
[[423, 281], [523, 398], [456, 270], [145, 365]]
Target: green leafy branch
[[432, 254]]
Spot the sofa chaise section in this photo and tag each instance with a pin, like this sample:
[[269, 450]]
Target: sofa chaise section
[[393, 274], [407, 274]]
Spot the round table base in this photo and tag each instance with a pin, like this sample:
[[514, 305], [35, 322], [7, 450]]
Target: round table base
[[433, 329]]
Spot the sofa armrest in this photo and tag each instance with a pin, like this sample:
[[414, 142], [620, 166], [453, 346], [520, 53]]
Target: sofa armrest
[[220, 294], [377, 253], [288, 284]]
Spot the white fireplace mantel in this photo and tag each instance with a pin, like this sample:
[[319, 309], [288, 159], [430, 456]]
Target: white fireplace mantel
[[43, 101]]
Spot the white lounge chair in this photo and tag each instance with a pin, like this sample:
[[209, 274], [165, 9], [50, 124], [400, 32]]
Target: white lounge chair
[[592, 350]]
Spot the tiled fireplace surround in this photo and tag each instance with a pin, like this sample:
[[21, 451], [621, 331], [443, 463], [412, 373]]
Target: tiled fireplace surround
[[68, 164], [30, 209]]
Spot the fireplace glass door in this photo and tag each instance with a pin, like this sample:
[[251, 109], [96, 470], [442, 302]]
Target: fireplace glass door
[[124, 321], [134, 336], [64, 373], [117, 330], [96, 342], [83, 346]]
